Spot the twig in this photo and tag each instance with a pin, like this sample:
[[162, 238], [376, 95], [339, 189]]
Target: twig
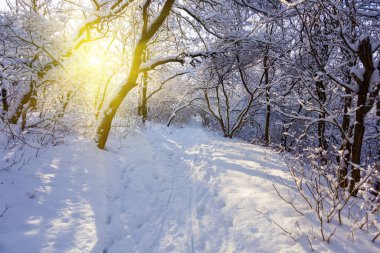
[[278, 225], [287, 201], [328, 239], [374, 239], [6, 208], [311, 246], [287, 232]]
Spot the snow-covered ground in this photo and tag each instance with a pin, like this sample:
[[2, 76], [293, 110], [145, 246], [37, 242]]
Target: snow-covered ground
[[158, 190]]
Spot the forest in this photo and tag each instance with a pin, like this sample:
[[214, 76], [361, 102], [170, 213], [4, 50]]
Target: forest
[[300, 78]]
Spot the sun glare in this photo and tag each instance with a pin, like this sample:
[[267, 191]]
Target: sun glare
[[94, 61]]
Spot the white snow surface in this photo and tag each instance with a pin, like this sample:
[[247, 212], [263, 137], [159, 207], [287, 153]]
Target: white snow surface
[[158, 190]]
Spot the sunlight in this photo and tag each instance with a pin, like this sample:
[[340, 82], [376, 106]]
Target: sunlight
[[90, 67], [95, 61], [90, 70]]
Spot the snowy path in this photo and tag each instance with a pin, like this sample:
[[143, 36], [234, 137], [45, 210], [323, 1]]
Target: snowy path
[[162, 190], [186, 191], [168, 210]]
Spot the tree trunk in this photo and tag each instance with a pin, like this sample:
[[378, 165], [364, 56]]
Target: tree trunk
[[227, 104], [104, 93], [322, 143], [346, 145], [65, 102], [356, 153], [267, 97], [33, 98], [376, 183], [4, 100], [365, 56], [219, 118], [144, 99], [23, 119], [284, 136], [105, 124], [3, 93], [13, 119], [143, 107]]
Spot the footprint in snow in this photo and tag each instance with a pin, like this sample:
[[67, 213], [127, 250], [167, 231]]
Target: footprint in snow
[[123, 173], [126, 183], [65, 220], [200, 211], [253, 230], [221, 203], [109, 219], [75, 215]]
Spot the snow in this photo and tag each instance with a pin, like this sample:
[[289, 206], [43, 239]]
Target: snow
[[158, 190]]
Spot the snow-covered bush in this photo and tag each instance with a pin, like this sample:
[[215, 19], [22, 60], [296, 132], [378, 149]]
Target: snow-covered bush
[[318, 192]]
